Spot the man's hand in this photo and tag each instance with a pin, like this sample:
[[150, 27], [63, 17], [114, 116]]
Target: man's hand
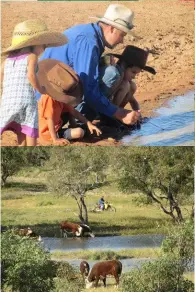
[[127, 117]]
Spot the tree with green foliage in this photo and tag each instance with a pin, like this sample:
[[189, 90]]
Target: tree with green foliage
[[36, 156], [12, 160], [26, 266], [75, 171], [167, 272], [164, 174], [15, 158], [68, 278]]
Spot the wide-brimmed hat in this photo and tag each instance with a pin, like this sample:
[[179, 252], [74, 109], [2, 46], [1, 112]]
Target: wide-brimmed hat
[[134, 56], [119, 17], [34, 32], [60, 81]]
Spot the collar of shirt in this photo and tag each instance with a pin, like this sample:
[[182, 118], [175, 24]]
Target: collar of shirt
[[99, 34]]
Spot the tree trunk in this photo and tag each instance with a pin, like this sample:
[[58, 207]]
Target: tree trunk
[[3, 179], [80, 215], [192, 212], [179, 213], [174, 206], [84, 208]]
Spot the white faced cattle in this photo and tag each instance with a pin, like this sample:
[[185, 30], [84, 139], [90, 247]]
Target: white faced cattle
[[79, 230], [102, 269], [84, 269], [27, 232]]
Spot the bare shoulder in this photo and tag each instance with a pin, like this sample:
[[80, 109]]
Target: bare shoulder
[[133, 85]]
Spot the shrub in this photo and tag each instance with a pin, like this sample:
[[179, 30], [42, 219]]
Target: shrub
[[68, 279], [159, 276], [167, 272], [26, 266]]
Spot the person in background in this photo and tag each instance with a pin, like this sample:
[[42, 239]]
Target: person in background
[[101, 203]]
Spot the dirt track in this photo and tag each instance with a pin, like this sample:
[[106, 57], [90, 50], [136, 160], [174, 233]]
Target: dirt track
[[165, 26]]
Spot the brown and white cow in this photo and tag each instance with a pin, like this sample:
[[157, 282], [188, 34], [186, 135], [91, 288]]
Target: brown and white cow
[[79, 230], [27, 232], [84, 269], [102, 269]]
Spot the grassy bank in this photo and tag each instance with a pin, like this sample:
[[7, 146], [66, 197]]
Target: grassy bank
[[27, 202], [107, 255]]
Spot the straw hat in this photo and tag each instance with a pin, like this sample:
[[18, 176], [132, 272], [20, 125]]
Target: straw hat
[[60, 81], [34, 32], [134, 56], [119, 17]]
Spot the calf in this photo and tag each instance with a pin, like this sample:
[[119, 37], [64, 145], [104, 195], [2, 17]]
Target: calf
[[76, 229], [23, 231], [101, 270], [28, 233], [84, 269]]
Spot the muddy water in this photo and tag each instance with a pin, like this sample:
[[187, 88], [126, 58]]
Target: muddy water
[[102, 243], [172, 125]]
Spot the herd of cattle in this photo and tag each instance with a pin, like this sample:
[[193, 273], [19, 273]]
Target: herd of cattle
[[67, 228], [99, 271]]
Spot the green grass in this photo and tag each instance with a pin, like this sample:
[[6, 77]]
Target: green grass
[[27, 202], [189, 276], [107, 255], [110, 286]]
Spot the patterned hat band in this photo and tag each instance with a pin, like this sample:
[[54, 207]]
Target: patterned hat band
[[28, 32], [34, 32], [122, 22]]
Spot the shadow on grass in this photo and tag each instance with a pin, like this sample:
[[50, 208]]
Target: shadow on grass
[[116, 229], [31, 187]]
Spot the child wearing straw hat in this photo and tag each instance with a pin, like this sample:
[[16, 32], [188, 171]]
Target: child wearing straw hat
[[19, 110]]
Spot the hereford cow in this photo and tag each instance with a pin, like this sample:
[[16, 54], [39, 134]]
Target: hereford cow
[[28, 233], [84, 269], [79, 230], [101, 270]]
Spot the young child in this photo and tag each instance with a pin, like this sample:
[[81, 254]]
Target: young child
[[51, 122], [19, 111], [116, 80]]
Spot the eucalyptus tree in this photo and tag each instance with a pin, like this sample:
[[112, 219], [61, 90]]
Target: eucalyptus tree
[[74, 171], [164, 174]]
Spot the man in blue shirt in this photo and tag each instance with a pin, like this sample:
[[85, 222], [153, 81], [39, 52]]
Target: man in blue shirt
[[83, 51]]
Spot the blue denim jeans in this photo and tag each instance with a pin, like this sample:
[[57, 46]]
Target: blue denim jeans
[[108, 76]]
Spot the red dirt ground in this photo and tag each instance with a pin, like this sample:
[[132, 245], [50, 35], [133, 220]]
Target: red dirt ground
[[165, 26]]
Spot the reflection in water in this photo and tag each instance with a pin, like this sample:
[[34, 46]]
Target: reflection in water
[[128, 264], [102, 243], [177, 120]]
